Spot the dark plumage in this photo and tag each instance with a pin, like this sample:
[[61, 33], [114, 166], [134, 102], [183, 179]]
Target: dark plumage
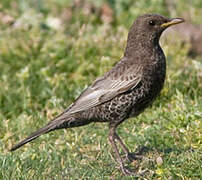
[[123, 92]]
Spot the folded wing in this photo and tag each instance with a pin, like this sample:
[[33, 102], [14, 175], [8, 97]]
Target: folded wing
[[106, 88]]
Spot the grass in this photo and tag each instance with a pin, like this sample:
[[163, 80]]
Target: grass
[[49, 52]]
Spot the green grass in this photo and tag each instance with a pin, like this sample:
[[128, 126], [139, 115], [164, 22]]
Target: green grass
[[44, 67]]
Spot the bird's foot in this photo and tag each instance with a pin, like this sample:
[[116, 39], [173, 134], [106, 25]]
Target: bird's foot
[[129, 172], [126, 171]]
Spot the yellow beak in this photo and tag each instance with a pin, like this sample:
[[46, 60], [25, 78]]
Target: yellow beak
[[172, 22]]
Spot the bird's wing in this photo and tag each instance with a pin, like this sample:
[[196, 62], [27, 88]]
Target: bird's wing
[[106, 88]]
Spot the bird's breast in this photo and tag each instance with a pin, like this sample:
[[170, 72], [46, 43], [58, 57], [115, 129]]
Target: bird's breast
[[151, 85]]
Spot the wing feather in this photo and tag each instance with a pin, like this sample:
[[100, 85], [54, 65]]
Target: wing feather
[[104, 89]]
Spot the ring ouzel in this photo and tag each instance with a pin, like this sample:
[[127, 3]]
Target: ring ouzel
[[123, 92]]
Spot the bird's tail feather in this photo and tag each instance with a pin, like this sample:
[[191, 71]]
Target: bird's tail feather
[[33, 136], [61, 121]]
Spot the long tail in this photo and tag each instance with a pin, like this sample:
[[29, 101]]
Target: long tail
[[61, 121], [33, 136], [57, 123]]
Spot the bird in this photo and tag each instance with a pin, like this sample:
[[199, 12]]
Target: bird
[[124, 91]]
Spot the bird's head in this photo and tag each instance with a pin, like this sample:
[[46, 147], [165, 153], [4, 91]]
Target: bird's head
[[148, 28], [155, 24]]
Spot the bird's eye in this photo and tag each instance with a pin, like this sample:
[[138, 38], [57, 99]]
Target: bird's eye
[[151, 23]]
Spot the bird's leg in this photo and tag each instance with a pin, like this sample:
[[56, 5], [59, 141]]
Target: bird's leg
[[129, 156], [112, 136], [123, 146]]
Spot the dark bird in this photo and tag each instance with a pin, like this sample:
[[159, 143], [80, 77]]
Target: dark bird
[[123, 92]]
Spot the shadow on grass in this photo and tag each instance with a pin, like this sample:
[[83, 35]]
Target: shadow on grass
[[143, 150]]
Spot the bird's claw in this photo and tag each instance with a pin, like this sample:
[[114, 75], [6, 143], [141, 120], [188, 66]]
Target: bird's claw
[[128, 172]]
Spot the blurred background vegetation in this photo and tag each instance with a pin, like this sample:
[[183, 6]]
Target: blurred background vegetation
[[50, 50]]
